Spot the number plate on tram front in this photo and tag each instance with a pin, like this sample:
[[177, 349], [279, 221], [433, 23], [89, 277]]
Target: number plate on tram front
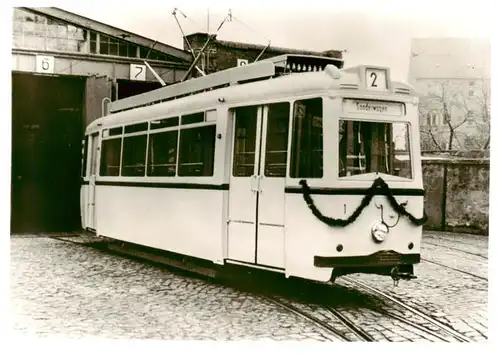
[[376, 79]]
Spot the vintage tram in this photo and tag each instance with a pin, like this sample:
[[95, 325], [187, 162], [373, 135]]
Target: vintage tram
[[288, 164]]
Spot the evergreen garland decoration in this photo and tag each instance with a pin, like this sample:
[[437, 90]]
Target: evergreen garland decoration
[[370, 192]]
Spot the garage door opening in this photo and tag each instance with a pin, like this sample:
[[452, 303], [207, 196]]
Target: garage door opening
[[127, 88], [47, 129]]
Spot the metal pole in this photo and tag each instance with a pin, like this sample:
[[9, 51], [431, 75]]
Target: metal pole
[[104, 112], [210, 37], [197, 58], [160, 80], [186, 40], [262, 52]]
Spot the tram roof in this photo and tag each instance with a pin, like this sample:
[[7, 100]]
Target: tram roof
[[250, 87]]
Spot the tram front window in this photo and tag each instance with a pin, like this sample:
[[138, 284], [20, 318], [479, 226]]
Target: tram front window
[[374, 147]]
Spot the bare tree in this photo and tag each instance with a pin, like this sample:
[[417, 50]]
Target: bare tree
[[452, 103], [484, 120]]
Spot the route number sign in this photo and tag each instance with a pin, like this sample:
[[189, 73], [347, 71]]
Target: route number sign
[[376, 79], [45, 64], [137, 72]]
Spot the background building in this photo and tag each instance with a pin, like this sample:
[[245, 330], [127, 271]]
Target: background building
[[452, 76], [63, 66], [220, 55]]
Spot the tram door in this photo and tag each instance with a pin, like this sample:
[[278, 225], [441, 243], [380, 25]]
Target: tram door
[[256, 232], [91, 218]]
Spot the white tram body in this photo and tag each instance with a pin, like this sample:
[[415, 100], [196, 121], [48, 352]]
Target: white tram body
[[212, 168]]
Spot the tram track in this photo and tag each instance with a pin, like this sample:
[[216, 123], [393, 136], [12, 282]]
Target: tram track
[[455, 269], [445, 328], [349, 330], [360, 333], [357, 334], [456, 249]]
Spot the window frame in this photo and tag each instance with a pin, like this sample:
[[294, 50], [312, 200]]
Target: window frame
[[288, 138], [291, 138], [84, 169], [103, 139], [121, 133], [194, 126], [382, 121], [160, 131]]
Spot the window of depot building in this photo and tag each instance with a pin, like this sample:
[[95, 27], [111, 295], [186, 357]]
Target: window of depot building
[[37, 32], [111, 46], [146, 53]]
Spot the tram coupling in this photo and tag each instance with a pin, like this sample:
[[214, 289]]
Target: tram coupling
[[397, 274]]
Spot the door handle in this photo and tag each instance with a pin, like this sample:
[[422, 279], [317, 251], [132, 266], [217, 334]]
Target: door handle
[[252, 183]]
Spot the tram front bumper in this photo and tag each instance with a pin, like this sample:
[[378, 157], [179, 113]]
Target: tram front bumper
[[377, 259]]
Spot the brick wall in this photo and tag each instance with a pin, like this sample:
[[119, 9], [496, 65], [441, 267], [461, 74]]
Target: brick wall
[[457, 194], [221, 55]]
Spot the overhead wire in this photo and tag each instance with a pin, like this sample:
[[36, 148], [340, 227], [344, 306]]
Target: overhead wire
[[251, 29], [198, 26]]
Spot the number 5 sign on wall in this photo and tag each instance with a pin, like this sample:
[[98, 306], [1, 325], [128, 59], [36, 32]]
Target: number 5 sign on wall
[[137, 72], [45, 64]]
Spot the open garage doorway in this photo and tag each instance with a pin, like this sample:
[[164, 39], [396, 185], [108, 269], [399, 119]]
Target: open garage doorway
[[47, 129], [127, 88]]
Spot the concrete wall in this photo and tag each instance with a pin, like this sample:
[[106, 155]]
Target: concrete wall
[[86, 65], [97, 88], [457, 194]]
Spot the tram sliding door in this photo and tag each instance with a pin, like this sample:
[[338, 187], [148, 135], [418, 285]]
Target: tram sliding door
[[257, 185], [91, 219]]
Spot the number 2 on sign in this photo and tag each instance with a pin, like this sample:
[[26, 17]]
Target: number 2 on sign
[[373, 76]]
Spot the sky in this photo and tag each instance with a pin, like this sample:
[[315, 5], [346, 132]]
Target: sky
[[372, 32]]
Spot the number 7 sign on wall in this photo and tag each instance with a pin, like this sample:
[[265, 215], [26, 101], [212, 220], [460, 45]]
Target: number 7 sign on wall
[[137, 72]]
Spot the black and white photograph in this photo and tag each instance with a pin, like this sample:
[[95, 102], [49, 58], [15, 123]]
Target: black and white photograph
[[232, 172]]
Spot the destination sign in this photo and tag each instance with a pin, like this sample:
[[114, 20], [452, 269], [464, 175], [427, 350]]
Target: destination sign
[[373, 107]]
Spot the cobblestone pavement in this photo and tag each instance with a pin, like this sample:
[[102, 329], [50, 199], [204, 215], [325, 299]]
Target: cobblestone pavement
[[62, 289], [452, 297]]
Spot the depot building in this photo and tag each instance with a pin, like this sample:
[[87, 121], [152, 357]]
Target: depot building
[[65, 68]]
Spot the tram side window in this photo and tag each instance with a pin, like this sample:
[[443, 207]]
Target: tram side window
[[110, 157], [244, 141], [277, 139], [134, 156], [196, 151], [85, 154], [307, 139], [162, 156]]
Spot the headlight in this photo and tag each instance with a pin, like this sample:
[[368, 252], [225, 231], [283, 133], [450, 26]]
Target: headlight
[[379, 231]]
